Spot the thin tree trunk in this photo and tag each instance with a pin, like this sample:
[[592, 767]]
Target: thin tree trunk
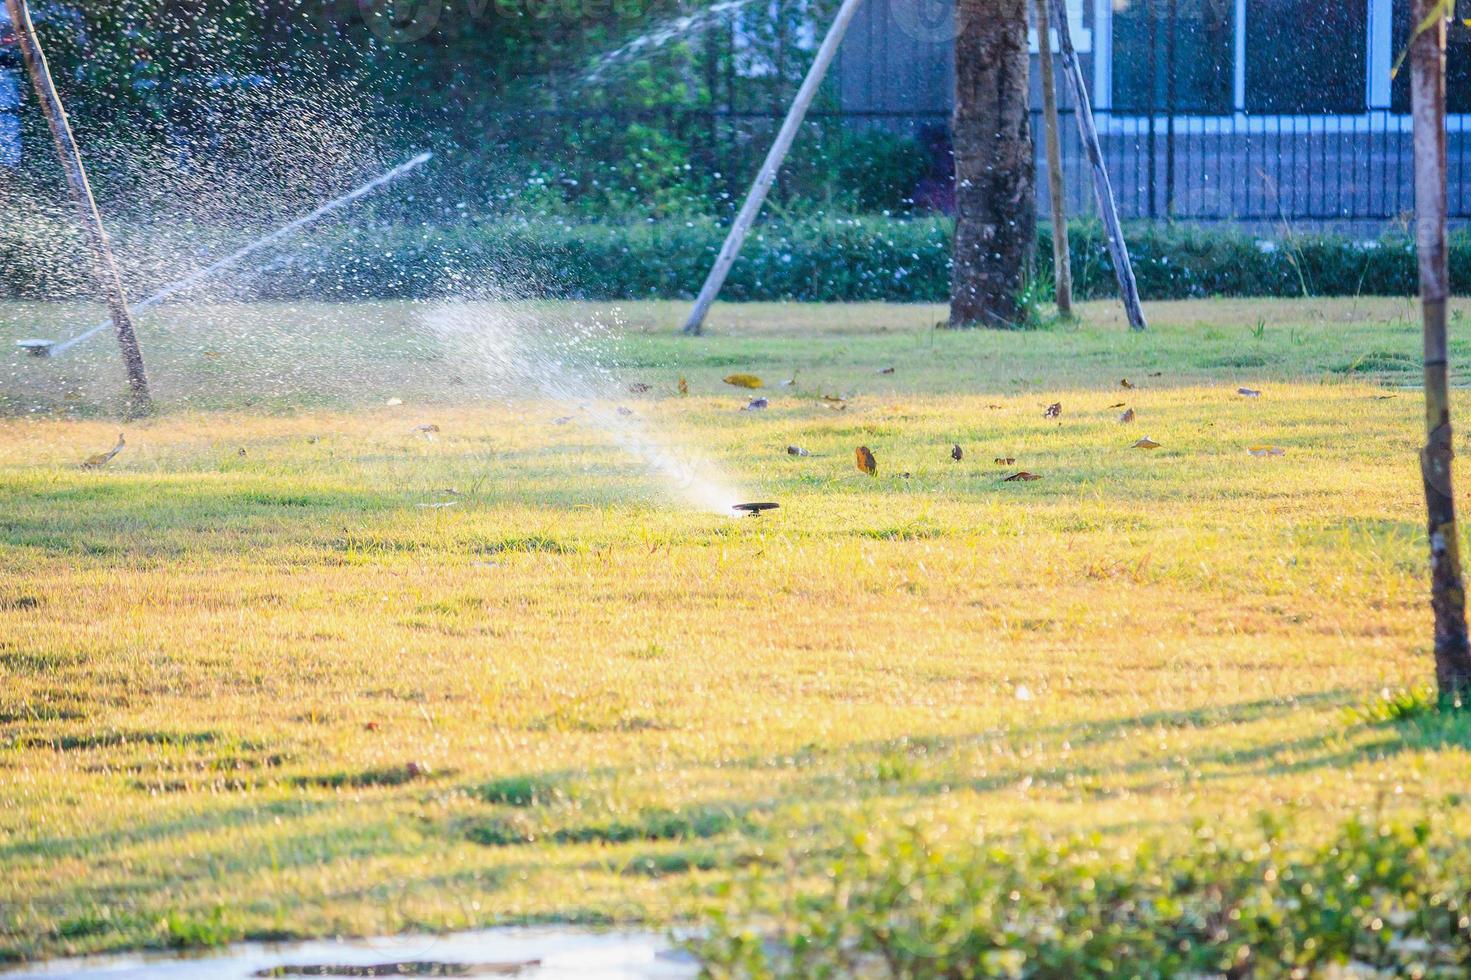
[[1062, 265], [1108, 209], [1447, 589], [76, 174], [995, 194]]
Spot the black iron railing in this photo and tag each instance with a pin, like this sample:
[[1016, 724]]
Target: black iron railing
[[1319, 169], [1261, 169]]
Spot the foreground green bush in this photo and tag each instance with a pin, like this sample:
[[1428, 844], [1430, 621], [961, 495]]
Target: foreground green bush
[[1392, 898], [825, 260]]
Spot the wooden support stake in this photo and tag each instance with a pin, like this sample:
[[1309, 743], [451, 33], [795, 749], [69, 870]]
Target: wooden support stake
[[1447, 588], [76, 175], [1062, 265], [1102, 188], [756, 196]]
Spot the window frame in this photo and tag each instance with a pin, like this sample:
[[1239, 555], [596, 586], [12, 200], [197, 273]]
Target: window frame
[[1379, 56]]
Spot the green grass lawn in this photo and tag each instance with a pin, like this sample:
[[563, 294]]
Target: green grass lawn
[[251, 685]]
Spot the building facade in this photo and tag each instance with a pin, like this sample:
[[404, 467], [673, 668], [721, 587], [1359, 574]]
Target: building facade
[[1229, 109]]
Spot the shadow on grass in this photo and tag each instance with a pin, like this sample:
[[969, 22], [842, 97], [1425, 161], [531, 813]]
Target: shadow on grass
[[199, 822], [663, 842]]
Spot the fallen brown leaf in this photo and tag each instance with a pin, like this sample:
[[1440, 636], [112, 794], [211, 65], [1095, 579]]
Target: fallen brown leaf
[[863, 459]]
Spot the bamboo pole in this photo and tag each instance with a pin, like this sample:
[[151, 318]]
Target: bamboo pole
[[1102, 188], [1062, 266], [76, 175], [1447, 588], [766, 177]]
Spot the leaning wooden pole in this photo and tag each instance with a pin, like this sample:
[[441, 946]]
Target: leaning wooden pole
[[1447, 588], [1062, 266], [1102, 187], [76, 175], [756, 196]]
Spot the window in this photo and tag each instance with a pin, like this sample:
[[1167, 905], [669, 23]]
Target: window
[[1080, 25], [1306, 56], [1172, 55], [1457, 63]]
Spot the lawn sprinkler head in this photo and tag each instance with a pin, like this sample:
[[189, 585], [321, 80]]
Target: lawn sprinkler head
[[36, 346], [754, 510]]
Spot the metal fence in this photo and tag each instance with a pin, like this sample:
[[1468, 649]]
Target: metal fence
[[1319, 170], [1316, 169], [1255, 169]]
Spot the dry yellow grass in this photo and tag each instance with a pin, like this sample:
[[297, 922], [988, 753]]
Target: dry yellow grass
[[270, 694]]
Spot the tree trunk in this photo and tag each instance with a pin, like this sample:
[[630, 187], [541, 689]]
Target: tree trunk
[[1108, 209], [1447, 589], [1062, 267], [995, 197]]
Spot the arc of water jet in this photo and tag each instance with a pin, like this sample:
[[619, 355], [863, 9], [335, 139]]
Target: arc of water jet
[[239, 255]]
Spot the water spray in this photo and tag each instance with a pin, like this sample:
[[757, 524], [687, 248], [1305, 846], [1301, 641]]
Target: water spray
[[51, 348], [18, 15], [517, 353]]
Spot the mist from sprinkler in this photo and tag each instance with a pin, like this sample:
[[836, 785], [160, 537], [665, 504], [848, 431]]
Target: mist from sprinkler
[[518, 355], [51, 348], [516, 352]]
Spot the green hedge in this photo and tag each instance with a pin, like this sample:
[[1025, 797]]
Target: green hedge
[[1386, 896], [820, 260]]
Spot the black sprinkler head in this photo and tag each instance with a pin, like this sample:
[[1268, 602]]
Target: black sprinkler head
[[36, 347], [755, 509]]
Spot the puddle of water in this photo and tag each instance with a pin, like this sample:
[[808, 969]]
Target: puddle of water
[[526, 953]]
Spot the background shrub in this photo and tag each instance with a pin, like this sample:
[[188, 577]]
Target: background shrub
[[812, 259], [1390, 897]]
